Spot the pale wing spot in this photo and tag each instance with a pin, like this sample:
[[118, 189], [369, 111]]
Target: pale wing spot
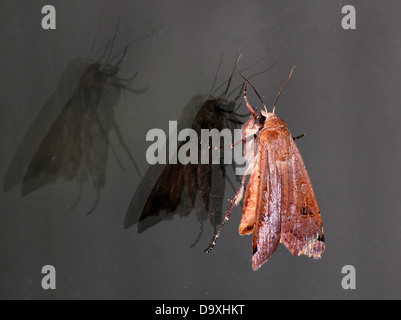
[[304, 188]]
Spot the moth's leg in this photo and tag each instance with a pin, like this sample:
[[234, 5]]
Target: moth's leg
[[199, 234], [106, 137], [126, 79], [78, 198], [124, 87], [246, 134], [120, 137], [235, 144], [237, 198], [299, 137], [96, 202]]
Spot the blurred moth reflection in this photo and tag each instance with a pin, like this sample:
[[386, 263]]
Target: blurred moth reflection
[[175, 189], [69, 138]]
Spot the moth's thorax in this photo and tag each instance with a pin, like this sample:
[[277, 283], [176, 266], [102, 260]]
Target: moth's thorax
[[272, 121], [207, 112], [91, 73]]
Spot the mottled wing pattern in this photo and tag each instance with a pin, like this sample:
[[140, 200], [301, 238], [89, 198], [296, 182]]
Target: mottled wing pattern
[[301, 222], [274, 148], [285, 204]]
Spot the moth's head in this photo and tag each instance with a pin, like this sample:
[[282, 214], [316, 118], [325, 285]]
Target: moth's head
[[93, 69], [91, 74], [225, 105], [98, 69], [218, 104], [265, 115], [109, 70]]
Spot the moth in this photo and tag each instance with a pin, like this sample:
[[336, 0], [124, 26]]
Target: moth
[[69, 139], [279, 204], [175, 189]]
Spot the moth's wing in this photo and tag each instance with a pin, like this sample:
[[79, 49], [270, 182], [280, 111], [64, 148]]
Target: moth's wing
[[46, 163], [301, 222], [43, 123], [191, 181], [149, 208], [251, 200], [266, 236], [59, 154], [142, 193]]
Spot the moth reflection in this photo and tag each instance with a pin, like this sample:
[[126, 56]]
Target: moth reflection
[[175, 189], [69, 139]]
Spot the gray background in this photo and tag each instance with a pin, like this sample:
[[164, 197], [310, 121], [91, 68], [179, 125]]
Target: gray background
[[345, 94]]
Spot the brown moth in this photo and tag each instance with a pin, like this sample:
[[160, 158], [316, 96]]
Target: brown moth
[[279, 204]]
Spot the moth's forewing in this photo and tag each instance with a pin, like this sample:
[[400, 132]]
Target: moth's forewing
[[274, 151], [42, 125], [301, 222], [152, 183], [249, 210], [142, 193], [164, 197], [191, 181], [59, 153]]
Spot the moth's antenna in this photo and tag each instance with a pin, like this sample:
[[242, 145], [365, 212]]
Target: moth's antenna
[[250, 67], [217, 73], [94, 41], [261, 100], [230, 79], [96, 202], [278, 95], [254, 75], [248, 105], [113, 40], [124, 50]]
